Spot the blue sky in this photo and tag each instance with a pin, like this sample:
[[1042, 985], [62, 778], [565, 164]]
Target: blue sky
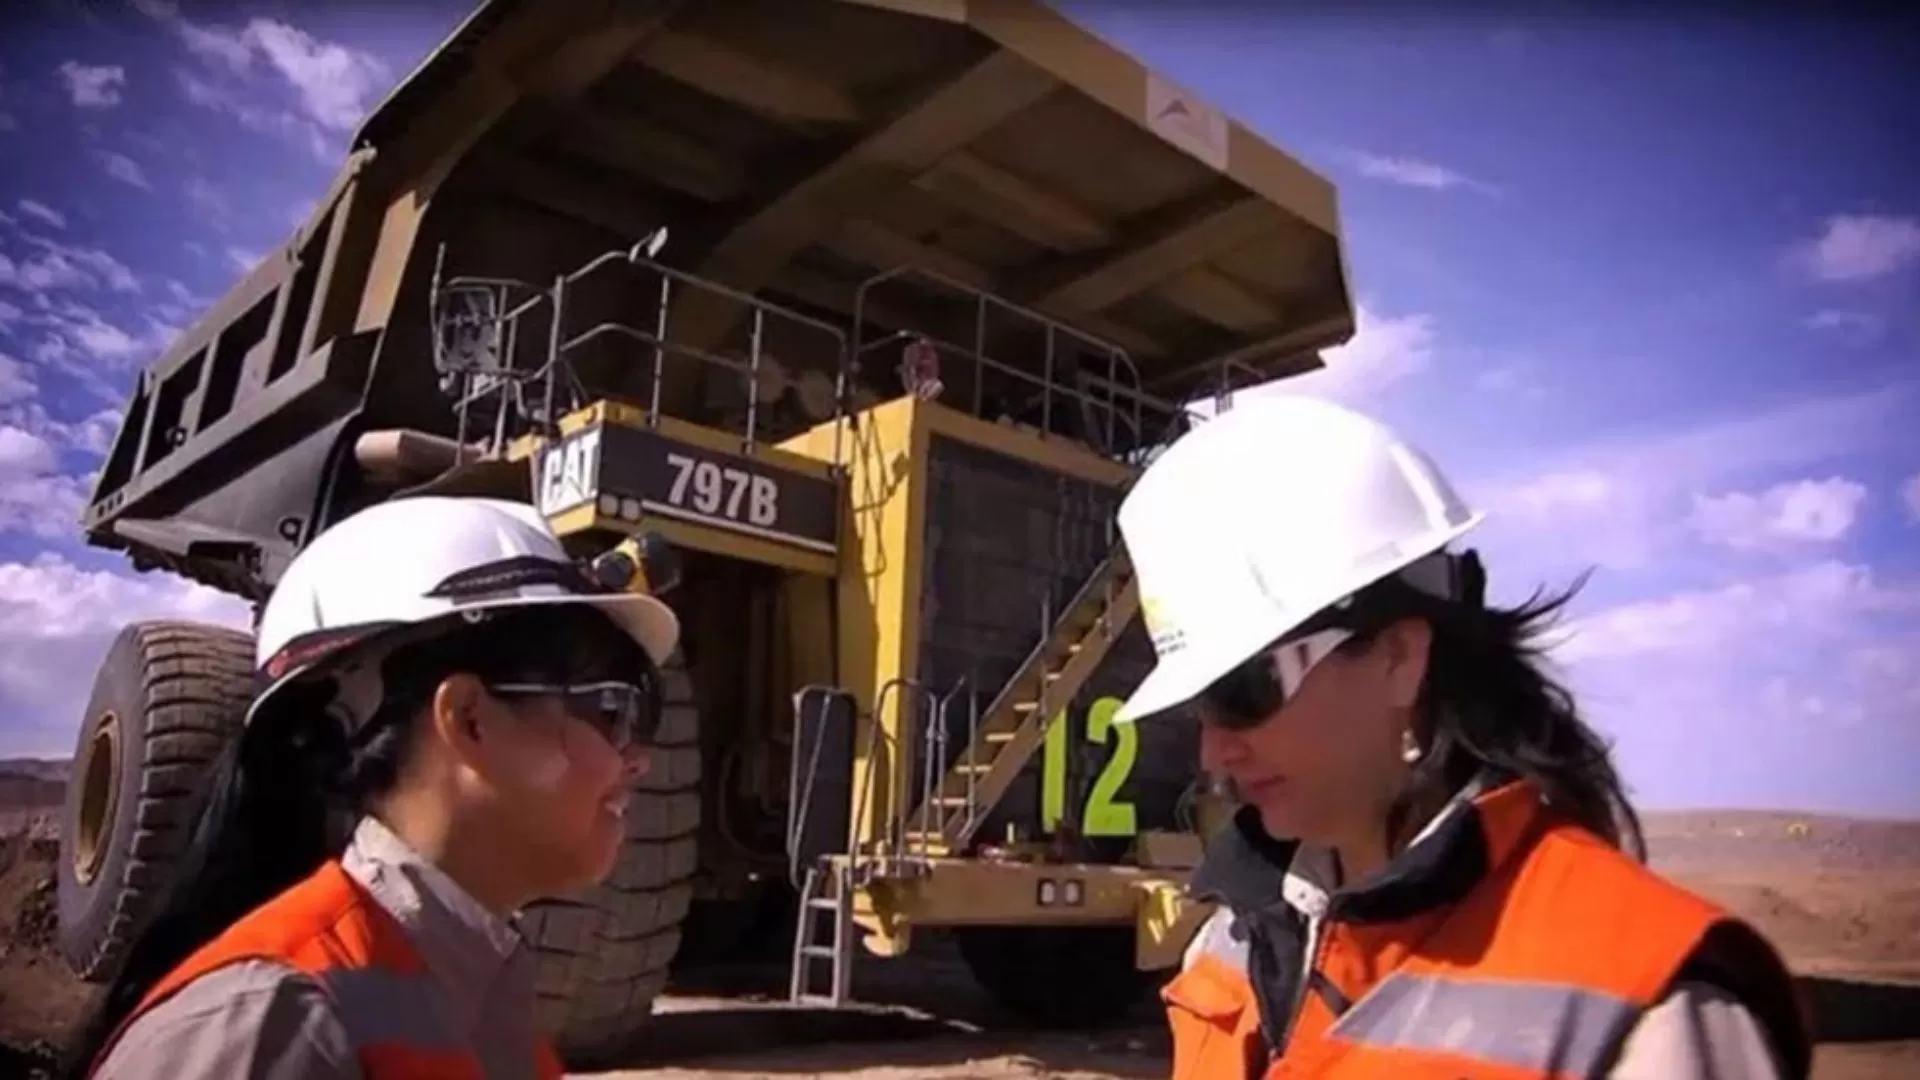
[[1647, 289]]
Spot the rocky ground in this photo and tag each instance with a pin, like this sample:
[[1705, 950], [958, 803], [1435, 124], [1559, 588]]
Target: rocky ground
[[1841, 897], [38, 997]]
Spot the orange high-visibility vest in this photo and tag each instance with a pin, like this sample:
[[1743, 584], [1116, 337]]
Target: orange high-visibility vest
[[329, 927], [1538, 969]]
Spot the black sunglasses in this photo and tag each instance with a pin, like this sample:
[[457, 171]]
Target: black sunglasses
[[1251, 693], [624, 713]]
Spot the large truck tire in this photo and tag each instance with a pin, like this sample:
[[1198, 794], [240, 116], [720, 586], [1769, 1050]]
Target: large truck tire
[[167, 700], [1057, 976], [604, 953]]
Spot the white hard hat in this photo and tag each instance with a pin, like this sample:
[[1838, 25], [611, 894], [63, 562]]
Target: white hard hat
[[1262, 517], [418, 560]]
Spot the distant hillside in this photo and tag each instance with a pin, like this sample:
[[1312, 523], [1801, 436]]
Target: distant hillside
[[31, 791], [54, 769]]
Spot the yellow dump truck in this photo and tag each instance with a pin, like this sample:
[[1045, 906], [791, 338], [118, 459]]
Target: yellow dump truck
[[873, 310]]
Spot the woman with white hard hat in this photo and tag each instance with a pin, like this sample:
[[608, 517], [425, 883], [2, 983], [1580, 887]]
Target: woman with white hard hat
[[1435, 872], [453, 712]]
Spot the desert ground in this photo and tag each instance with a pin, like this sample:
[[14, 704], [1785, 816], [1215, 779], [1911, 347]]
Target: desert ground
[[1841, 897]]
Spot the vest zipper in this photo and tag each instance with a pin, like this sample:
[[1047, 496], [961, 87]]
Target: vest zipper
[[1316, 944]]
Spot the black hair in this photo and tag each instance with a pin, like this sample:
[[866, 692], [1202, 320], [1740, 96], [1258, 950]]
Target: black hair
[[284, 787], [1491, 704]]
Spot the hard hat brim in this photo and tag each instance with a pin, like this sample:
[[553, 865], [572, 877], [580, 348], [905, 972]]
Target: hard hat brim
[[1176, 680], [646, 619], [1169, 685]]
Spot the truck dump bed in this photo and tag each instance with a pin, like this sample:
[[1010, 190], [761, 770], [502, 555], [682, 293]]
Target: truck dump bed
[[796, 149]]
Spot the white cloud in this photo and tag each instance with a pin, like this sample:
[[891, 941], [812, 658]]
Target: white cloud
[[35, 496], [1854, 247], [45, 213], [1625, 496], [95, 433], [1858, 327], [210, 200], [1514, 379], [1796, 689], [250, 113], [1823, 597], [56, 621], [16, 382], [229, 48], [88, 346], [1569, 517], [85, 344], [90, 435], [93, 87], [243, 259], [1798, 512], [182, 305], [102, 340], [1883, 672], [125, 169], [22, 453], [1910, 494], [1414, 172], [336, 83], [1384, 350], [56, 267], [1579, 491], [332, 85]]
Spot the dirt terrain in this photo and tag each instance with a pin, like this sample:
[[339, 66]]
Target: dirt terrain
[[1841, 897]]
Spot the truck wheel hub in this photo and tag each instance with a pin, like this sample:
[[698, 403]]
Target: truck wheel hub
[[98, 775]]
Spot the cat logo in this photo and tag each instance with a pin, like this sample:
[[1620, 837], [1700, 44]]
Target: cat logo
[[568, 472]]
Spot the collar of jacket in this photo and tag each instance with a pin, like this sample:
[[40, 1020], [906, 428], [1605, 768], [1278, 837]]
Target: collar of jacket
[[476, 954], [1483, 826]]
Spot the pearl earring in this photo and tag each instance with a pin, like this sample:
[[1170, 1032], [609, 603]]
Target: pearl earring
[[1409, 747]]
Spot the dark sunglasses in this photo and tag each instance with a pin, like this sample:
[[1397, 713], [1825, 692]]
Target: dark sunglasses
[[624, 713], [1251, 693]]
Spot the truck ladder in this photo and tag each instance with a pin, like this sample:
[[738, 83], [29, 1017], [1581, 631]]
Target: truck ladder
[[826, 891], [1015, 724]]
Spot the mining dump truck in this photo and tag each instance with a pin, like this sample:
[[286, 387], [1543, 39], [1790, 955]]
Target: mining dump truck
[[872, 311]]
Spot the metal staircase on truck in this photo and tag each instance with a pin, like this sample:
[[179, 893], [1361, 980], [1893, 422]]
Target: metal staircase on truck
[[1011, 729], [929, 821]]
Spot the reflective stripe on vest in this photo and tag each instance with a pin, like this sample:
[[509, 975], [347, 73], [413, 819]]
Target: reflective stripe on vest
[[1542, 1027], [1540, 969]]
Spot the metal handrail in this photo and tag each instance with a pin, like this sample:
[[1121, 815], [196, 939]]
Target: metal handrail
[[895, 842], [545, 378], [662, 344], [1119, 363]]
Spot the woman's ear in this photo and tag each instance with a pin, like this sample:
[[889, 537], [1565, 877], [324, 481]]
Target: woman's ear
[[1405, 647], [454, 714]]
